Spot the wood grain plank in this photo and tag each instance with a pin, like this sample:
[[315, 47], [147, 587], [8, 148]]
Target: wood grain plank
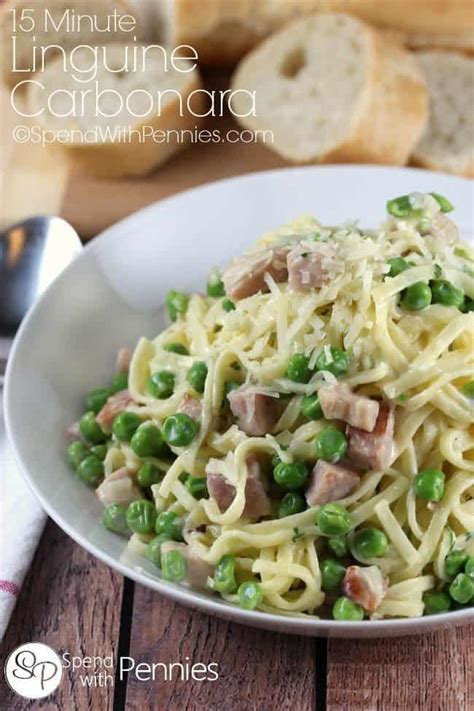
[[70, 601], [422, 673], [257, 669]]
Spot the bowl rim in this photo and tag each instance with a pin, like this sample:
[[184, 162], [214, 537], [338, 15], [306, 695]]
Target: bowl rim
[[180, 593]]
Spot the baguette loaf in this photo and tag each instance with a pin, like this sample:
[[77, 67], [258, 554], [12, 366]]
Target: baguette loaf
[[223, 31], [447, 142], [332, 89], [43, 13], [108, 141]]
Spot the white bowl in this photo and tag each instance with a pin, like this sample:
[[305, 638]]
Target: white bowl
[[113, 293]]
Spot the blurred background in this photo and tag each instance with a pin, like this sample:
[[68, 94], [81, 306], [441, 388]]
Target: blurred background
[[52, 180]]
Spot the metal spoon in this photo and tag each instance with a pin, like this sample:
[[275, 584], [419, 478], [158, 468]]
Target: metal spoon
[[32, 254]]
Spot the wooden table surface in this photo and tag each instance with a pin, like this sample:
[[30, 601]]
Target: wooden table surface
[[78, 605]]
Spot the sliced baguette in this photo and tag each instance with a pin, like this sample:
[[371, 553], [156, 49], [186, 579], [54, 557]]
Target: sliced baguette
[[127, 155], [447, 142], [223, 31], [332, 89], [41, 12]]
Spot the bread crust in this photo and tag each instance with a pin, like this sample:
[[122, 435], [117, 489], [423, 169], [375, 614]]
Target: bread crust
[[391, 111]]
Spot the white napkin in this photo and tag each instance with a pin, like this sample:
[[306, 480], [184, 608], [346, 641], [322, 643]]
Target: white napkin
[[21, 525]]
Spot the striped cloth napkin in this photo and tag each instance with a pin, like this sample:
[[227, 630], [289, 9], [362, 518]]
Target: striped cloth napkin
[[22, 522]]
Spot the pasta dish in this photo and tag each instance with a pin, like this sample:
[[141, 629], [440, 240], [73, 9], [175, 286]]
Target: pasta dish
[[300, 439]]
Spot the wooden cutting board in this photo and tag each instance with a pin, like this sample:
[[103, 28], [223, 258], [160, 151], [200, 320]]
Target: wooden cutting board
[[40, 180]]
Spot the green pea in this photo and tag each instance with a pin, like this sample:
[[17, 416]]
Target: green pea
[[100, 451], [224, 575], [298, 370], [401, 207], [197, 486], [292, 503], [177, 304], [332, 573], [416, 297], [141, 516], [333, 519], [454, 563], [91, 471], [178, 348], [462, 588], [215, 286], [346, 610], [250, 595], [468, 389], [311, 407], [469, 567], [119, 382], [153, 551], [291, 476], [161, 384], [148, 475], [397, 266], [228, 305], [125, 425], [148, 442], [96, 399], [197, 375], [436, 602], [429, 484], [444, 203], [331, 444], [76, 452], [445, 293], [90, 429], [179, 430], [336, 361], [338, 545], [370, 543], [170, 524], [173, 566], [114, 518]]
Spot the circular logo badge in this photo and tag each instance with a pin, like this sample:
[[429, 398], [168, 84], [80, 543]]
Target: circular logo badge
[[33, 670]]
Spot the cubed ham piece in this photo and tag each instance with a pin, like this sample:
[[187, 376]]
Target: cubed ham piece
[[329, 482], [444, 229], [307, 267], [365, 586], [197, 570], [257, 501], [116, 403], [190, 406], [118, 488], [373, 450], [124, 357], [246, 276], [338, 402], [256, 411]]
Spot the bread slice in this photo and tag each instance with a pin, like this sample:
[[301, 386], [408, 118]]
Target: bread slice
[[106, 139], [332, 89], [447, 142], [43, 13]]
